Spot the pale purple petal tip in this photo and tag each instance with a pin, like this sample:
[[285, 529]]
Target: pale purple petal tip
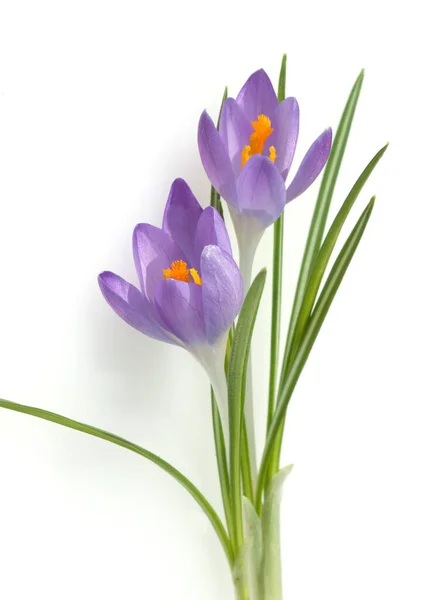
[[215, 159], [131, 305], [222, 291], [257, 96], [261, 190], [311, 166], [285, 135], [153, 251], [181, 216], [179, 305], [211, 230], [235, 129]]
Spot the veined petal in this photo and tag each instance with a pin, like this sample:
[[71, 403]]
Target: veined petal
[[131, 305], [261, 190], [179, 305], [215, 159], [257, 97], [153, 251], [235, 129], [181, 216], [222, 291], [285, 135], [311, 165], [211, 230]]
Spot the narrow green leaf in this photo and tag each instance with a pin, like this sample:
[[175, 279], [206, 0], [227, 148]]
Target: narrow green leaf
[[215, 196], [223, 472], [281, 88], [276, 281], [317, 228], [315, 323], [114, 439], [326, 249], [236, 389]]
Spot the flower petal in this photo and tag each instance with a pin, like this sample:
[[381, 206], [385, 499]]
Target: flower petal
[[181, 216], [235, 129], [311, 165], [222, 291], [285, 135], [261, 190], [131, 305], [211, 230], [257, 97], [179, 305], [215, 159], [153, 251]]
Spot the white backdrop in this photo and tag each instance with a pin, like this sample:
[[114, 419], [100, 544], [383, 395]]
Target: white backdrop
[[99, 104]]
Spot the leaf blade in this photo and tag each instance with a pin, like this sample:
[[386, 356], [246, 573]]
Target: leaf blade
[[114, 439], [327, 247], [323, 304], [238, 365]]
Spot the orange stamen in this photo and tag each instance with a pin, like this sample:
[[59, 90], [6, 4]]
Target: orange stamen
[[262, 130], [180, 272]]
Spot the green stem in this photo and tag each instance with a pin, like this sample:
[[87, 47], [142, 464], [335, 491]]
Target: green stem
[[223, 472], [276, 285], [276, 315], [118, 441], [248, 489]]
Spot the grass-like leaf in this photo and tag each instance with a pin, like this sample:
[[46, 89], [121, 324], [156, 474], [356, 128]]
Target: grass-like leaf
[[119, 441], [317, 228], [215, 196], [276, 281], [236, 389], [315, 323], [326, 249]]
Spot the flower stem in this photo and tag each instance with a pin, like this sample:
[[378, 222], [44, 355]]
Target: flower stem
[[223, 472]]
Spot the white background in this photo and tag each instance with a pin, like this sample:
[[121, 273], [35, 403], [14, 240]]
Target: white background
[[99, 103]]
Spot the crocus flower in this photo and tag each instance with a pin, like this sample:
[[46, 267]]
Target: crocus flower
[[190, 287], [248, 159]]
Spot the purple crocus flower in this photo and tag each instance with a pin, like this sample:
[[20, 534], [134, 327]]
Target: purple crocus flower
[[248, 159], [190, 287]]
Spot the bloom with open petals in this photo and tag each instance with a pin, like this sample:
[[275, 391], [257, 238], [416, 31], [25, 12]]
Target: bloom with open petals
[[248, 159], [190, 286]]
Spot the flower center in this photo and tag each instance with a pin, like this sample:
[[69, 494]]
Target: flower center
[[179, 271], [262, 130]]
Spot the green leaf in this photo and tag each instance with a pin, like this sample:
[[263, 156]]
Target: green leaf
[[321, 210], [114, 439], [317, 228], [223, 472], [236, 393], [276, 281], [326, 249], [281, 88], [215, 196], [315, 323]]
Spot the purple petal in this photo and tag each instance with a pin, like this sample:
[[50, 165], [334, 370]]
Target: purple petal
[[131, 305], [235, 129], [257, 97], [179, 305], [215, 159], [181, 216], [261, 190], [222, 291], [211, 230], [312, 163], [153, 251], [285, 135]]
